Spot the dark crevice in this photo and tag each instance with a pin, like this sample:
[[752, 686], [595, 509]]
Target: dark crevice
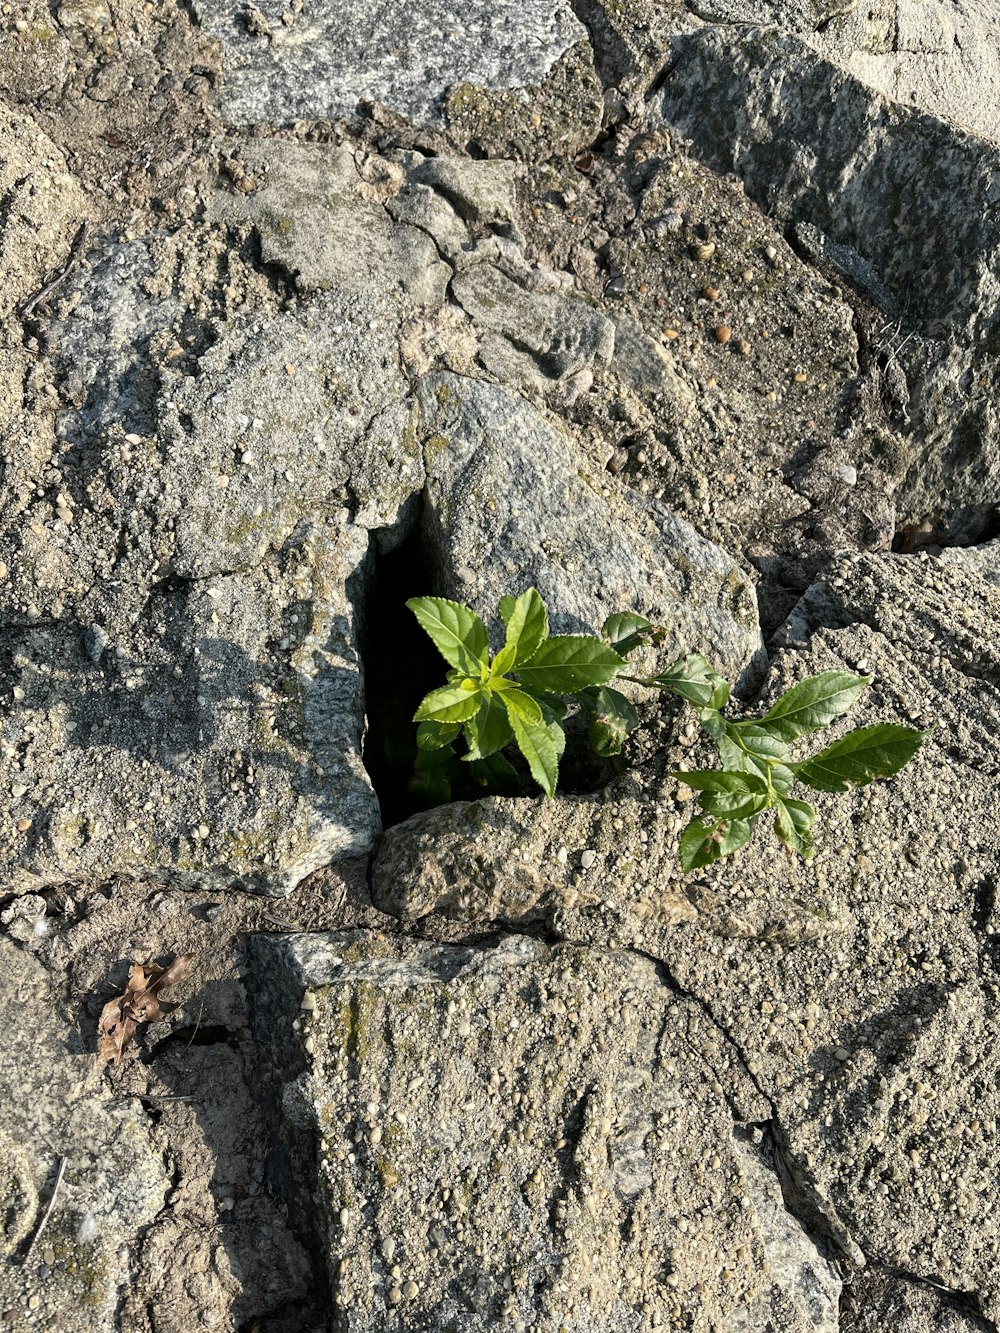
[[206, 1034], [400, 666], [866, 1293]]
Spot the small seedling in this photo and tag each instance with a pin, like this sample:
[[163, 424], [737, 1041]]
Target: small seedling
[[521, 696]]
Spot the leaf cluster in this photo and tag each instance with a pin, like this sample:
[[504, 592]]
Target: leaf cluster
[[140, 1003], [519, 698]]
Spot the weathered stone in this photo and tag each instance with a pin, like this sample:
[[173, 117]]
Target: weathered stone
[[832, 152], [857, 195], [42, 209], [532, 337], [857, 979], [315, 221], [214, 738], [513, 1132], [322, 63], [56, 1106], [558, 115], [511, 503]]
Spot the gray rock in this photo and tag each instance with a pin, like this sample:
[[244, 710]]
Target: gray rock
[[511, 503], [831, 152], [855, 981], [315, 221], [517, 1133], [982, 560], [942, 56], [532, 338], [55, 1104], [43, 206], [858, 194], [219, 740], [324, 62]]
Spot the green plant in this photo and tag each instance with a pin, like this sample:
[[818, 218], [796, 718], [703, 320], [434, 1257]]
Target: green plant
[[520, 697]]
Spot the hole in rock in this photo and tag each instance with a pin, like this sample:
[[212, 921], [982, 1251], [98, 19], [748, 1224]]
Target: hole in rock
[[401, 665], [970, 525]]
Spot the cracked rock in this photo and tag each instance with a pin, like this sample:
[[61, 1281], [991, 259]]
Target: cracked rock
[[511, 503], [327, 60], [55, 1104], [514, 1132]]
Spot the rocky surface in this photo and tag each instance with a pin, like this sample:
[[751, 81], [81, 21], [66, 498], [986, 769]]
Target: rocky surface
[[688, 309], [514, 1120], [319, 63]]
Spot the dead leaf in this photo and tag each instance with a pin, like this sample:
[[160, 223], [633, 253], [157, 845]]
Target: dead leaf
[[140, 1003]]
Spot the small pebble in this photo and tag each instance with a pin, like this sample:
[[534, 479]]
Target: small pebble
[[395, 1295], [723, 333], [588, 858], [410, 1289]]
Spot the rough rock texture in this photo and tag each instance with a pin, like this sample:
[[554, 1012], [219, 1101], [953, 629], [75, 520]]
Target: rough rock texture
[[815, 145], [54, 1107], [510, 504], [565, 1083], [855, 981], [691, 306], [214, 735], [321, 62]]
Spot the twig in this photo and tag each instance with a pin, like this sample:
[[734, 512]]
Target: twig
[[61, 273], [274, 921], [48, 1211], [161, 1097], [196, 1026]]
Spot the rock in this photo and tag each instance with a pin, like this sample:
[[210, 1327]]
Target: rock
[[43, 207], [631, 38], [510, 503], [315, 222], [219, 740], [779, 150], [876, 1302], [529, 337], [323, 63], [559, 115], [941, 57], [857, 979], [853, 194], [55, 1105], [488, 1121]]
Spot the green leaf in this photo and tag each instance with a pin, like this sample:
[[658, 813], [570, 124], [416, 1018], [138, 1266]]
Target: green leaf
[[793, 824], [860, 757], [612, 717], [489, 730], [759, 740], [458, 633], [570, 662], [706, 840], [527, 624], [504, 661], [451, 703], [434, 735], [540, 749], [430, 781], [732, 805], [625, 632], [496, 775], [521, 706], [694, 680], [553, 708], [714, 723], [737, 760], [813, 703]]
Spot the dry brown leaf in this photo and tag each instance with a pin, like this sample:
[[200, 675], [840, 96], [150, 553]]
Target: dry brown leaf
[[140, 1003]]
